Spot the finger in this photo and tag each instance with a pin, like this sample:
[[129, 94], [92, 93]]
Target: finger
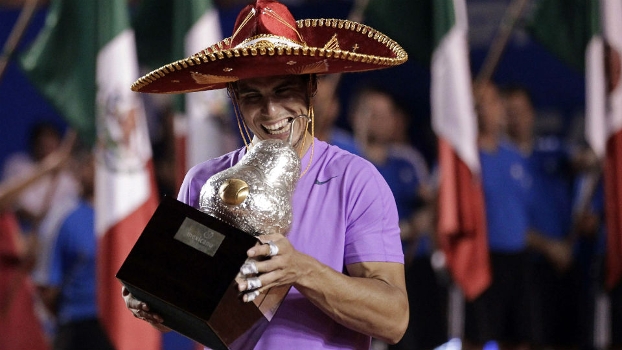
[[268, 249], [250, 296], [250, 283], [273, 248], [130, 301], [148, 316], [249, 268], [263, 249]]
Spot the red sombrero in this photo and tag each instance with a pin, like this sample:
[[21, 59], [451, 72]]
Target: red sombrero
[[268, 41]]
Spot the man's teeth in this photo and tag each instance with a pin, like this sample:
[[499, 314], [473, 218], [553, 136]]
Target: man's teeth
[[277, 128]]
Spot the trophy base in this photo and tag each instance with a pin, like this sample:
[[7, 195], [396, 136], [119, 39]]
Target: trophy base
[[184, 266]]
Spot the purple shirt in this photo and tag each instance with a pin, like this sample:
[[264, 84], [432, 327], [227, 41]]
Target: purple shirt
[[343, 213]]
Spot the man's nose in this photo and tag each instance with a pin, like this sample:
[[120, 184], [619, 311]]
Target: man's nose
[[270, 105]]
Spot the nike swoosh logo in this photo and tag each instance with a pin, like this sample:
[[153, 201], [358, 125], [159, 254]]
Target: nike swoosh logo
[[318, 182]]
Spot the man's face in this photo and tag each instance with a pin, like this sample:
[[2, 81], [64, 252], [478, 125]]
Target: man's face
[[269, 104], [490, 109], [376, 119], [520, 115], [47, 143]]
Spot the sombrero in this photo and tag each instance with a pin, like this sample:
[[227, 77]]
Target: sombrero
[[268, 41]]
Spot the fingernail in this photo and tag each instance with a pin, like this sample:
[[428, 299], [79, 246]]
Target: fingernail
[[248, 297]]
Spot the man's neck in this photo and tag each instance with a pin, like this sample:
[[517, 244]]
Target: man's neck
[[488, 142], [524, 144], [377, 152]]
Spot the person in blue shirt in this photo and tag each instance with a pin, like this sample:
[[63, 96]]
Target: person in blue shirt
[[66, 275], [501, 312], [553, 166], [327, 108], [380, 124]]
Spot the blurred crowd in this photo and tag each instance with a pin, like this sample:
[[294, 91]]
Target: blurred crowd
[[544, 214]]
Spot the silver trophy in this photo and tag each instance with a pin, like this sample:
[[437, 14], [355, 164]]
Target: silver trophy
[[255, 194]]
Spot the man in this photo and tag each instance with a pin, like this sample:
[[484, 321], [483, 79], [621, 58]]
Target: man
[[501, 312], [66, 275], [342, 255], [380, 124], [554, 167], [327, 105], [34, 202], [20, 326]]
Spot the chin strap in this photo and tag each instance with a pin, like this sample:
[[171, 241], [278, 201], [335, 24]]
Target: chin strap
[[245, 133]]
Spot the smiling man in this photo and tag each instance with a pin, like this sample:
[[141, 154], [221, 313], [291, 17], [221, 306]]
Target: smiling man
[[342, 255]]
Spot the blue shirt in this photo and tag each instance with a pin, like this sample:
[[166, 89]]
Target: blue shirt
[[506, 183], [344, 140], [72, 265], [552, 190], [405, 170]]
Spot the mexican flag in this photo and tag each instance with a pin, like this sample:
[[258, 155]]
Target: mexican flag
[[434, 33], [461, 212], [587, 35], [84, 62], [604, 119], [201, 120]]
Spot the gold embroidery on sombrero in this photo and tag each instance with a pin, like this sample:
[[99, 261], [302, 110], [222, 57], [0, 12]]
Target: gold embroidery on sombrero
[[204, 79], [400, 54], [262, 40], [316, 67], [250, 15], [333, 43], [270, 12]]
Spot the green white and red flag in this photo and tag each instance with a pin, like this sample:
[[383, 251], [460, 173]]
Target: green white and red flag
[[603, 66], [84, 62], [461, 212]]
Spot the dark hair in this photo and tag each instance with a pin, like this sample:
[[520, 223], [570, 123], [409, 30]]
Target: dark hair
[[514, 89], [40, 129], [375, 88]]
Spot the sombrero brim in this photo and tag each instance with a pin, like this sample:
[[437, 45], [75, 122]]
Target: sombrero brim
[[331, 46]]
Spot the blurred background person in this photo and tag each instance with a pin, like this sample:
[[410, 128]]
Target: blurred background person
[[327, 109], [66, 274], [553, 165], [20, 327], [380, 126], [33, 203], [501, 312]]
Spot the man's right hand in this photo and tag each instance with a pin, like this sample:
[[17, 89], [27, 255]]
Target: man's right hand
[[141, 311]]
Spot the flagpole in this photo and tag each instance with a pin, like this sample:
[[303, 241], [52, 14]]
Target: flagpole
[[508, 23], [16, 34]]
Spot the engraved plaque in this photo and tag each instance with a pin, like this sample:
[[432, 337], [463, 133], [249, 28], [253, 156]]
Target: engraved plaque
[[199, 237]]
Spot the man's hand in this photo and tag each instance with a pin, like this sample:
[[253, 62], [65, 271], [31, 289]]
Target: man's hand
[[141, 311], [269, 264]]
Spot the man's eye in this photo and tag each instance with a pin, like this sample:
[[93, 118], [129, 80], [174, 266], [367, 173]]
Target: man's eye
[[284, 90], [250, 97]]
